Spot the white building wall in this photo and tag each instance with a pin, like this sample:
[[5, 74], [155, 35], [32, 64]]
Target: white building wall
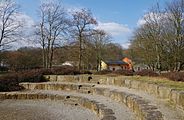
[[115, 68]]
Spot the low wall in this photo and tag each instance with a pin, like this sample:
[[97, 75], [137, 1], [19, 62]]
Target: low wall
[[101, 110], [160, 91], [138, 105]]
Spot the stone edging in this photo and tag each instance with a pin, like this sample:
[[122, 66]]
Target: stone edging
[[138, 105], [100, 109], [160, 91]]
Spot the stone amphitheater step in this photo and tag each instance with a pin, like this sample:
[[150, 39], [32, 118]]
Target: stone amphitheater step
[[105, 108], [143, 108], [43, 109], [160, 91]]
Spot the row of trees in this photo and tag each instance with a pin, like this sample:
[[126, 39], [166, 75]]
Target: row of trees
[[159, 42], [62, 36], [57, 26], [31, 57]]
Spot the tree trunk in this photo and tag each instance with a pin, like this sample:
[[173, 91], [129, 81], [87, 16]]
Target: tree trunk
[[80, 52]]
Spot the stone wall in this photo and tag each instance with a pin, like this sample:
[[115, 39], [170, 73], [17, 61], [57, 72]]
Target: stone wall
[[143, 109], [160, 91], [101, 110]]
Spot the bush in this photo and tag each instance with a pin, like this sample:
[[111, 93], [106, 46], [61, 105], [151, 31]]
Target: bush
[[124, 72], [31, 76], [103, 72], [3, 68], [174, 76], [147, 73], [65, 70], [117, 72], [9, 83]]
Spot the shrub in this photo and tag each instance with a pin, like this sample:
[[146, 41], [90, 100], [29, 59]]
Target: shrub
[[31, 76], [146, 72], [103, 72], [124, 72], [117, 72], [65, 70], [175, 76], [86, 72], [9, 83], [3, 68]]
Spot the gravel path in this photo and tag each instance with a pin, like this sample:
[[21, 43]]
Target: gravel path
[[121, 111], [43, 110], [169, 112]]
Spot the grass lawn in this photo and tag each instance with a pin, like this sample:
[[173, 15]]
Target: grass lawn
[[159, 81]]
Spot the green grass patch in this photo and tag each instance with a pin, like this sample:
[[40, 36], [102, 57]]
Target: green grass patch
[[158, 80]]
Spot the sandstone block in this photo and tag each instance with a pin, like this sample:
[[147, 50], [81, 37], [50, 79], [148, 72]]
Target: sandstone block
[[152, 89], [110, 81], [164, 92], [108, 118], [135, 84], [2, 95], [128, 83], [181, 100], [174, 96], [119, 81]]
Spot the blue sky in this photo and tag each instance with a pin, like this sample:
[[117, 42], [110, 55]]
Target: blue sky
[[117, 17]]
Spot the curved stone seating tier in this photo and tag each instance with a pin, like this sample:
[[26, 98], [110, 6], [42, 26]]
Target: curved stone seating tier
[[100, 109], [160, 91], [143, 109]]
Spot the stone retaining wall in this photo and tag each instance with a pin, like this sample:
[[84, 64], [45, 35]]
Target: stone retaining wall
[[138, 105], [101, 110], [163, 92]]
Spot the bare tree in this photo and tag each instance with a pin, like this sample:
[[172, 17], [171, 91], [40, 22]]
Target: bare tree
[[153, 34], [82, 25], [176, 18], [9, 25], [52, 27], [160, 41], [99, 40]]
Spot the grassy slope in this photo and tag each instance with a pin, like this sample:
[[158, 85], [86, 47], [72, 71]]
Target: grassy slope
[[159, 81]]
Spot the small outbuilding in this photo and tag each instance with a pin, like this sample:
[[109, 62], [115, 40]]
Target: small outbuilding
[[113, 65]]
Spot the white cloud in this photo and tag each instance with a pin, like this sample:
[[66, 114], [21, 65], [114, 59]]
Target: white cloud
[[119, 32], [114, 29], [125, 45], [141, 22], [27, 20], [27, 30], [153, 17]]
